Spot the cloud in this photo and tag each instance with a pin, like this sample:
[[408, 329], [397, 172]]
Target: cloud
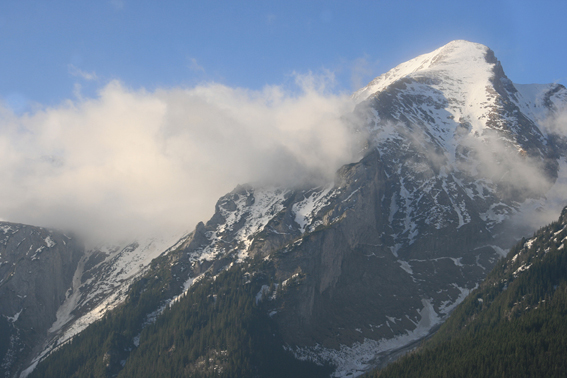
[[548, 208], [556, 123], [362, 72], [194, 66], [529, 182], [74, 71], [130, 162]]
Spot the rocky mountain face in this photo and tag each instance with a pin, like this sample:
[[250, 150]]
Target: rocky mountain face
[[101, 282], [380, 257], [513, 325], [36, 269], [52, 286], [364, 266]]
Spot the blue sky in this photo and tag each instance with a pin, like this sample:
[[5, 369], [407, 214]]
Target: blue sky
[[50, 49], [122, 116]]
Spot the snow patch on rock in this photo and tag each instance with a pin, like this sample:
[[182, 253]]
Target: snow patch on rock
[[355, 360]]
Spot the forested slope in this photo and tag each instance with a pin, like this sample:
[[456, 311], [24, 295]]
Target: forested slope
[[217, 329], [513, 325]]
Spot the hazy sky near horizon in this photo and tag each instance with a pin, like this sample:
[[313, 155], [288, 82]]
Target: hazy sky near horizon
[[61, 49], [130, 117]]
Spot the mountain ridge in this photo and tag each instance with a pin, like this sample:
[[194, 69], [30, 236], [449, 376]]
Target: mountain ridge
[[512, 325], [379, 257], [416, 66]]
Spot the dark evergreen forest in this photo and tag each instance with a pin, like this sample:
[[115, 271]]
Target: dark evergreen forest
[[215, 330], [514, 325]]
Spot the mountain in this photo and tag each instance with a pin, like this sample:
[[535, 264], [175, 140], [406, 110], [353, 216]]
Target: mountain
[[52, 286], [36, 270], [349, 273], [513, 325]]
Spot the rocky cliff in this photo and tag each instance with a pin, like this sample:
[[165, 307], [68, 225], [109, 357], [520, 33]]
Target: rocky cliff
[[377, 259], [52, 286], [359, 268], [36, 270]]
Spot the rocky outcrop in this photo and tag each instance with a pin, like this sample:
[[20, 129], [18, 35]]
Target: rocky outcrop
[[364, 266], [36, 270], [376, 260], [52, 287]]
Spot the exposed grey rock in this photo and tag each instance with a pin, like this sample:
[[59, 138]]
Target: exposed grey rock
[[36, 270], [372, 262], [377, 259]]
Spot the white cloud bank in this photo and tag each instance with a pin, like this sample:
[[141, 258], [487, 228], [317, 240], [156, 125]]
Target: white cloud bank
[[130, 161]]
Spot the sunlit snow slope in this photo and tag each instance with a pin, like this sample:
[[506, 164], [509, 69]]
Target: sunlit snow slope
[[457, 161], [456, 154]]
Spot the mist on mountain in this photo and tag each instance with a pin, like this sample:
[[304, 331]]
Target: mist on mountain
[[134, 162]]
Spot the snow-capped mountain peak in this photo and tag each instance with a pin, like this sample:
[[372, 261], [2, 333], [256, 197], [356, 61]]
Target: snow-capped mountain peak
[[371, 262], [447, 60]]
